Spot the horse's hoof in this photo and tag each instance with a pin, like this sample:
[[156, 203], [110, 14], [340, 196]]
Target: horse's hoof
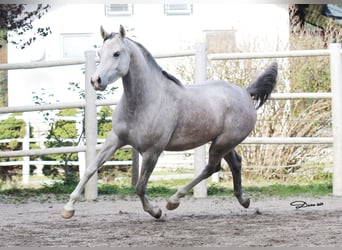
[[246, 203], [172, 205], [67, 214], [158, 214]]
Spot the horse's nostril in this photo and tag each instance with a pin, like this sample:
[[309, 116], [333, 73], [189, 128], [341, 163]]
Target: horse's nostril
[[99, 80]]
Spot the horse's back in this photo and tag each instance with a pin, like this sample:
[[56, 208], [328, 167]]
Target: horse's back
[[235, 100], [232, 95]]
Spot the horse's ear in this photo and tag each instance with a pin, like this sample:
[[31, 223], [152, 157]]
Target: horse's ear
[[122, 31], [104, 34]]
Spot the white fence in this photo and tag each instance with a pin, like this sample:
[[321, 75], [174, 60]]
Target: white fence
[[200, 54]]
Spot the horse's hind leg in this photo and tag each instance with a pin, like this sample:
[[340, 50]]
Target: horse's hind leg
[[212, 167], [234, 161], [110, 145]]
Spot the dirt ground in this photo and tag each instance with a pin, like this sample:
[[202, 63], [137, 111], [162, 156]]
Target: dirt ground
[[213, 221]]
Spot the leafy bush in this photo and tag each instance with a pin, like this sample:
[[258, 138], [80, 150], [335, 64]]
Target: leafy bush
[[60, 133], [12, 128]]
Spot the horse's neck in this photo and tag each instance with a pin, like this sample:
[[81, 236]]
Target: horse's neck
[[141, 85]]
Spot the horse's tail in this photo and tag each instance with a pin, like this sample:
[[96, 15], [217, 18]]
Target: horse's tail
[[263, 86]]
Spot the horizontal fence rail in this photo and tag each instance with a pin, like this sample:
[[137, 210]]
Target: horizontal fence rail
[[288, 140], [47, 151], [292, 96], [46, 64], [73, 163], [264, 55], [52, 106], [81, 104], [71, 62]]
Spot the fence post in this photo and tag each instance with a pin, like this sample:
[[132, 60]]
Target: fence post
[[26, 146], [200, 190], [81, 155], [336, 103], [135, 167], [90, 123]]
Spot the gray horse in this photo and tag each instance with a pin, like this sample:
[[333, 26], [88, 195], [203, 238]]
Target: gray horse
[[157, 112]]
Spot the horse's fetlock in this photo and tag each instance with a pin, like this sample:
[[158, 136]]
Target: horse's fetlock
[[74, 197], [181, 193], [238, 194], [140, 192]]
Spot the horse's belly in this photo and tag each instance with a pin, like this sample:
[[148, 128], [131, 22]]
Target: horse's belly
[[191, 136], [180, 145]]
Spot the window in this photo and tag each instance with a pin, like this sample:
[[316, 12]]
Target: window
[[177, 9], [119, 9], [75, 44]]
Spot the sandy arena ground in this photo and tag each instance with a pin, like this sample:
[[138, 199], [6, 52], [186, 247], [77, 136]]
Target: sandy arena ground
[[213, 221]]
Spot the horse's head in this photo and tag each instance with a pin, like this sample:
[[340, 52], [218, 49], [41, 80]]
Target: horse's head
[[114, 59]]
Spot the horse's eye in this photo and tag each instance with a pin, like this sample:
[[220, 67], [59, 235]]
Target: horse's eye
[[116, 54]]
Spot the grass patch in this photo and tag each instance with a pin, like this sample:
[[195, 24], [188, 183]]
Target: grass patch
[[256, 188], [276, 190], [122, 190], [61, 192], [279, 190]]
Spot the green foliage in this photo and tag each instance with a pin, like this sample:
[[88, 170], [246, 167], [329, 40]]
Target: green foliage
[[278, 190], [3, 85], [160, 191], [68, 112], [124, 154], [165, 191], [18, 19], [12, 128], [61, 130], [60, 134], [108, 173], [65, 184], [104, 125], [215, 189], [122, 190]]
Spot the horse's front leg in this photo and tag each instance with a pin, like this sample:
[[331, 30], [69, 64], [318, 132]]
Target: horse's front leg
[[148, 163], [110, 145]]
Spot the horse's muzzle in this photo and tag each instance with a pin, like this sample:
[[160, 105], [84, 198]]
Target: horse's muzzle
[[96, 82]]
